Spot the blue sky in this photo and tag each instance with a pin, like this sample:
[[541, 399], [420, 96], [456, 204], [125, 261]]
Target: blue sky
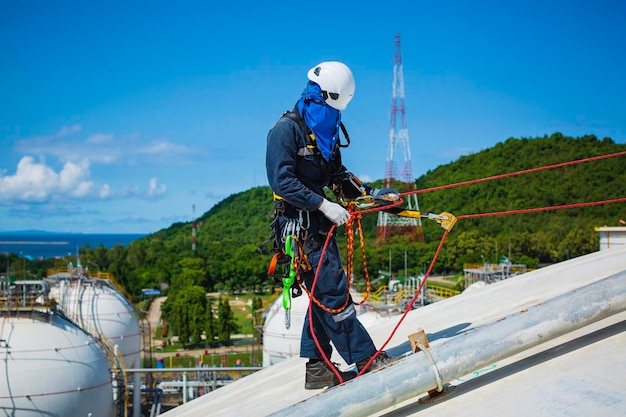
[[119, 117]]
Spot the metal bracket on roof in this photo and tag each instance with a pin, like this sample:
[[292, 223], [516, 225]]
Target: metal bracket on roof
[[433, 366]]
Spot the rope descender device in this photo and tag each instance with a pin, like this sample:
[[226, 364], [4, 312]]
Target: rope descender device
[[445, 220], [289, 279]]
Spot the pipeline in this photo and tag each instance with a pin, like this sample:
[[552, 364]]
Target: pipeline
[[430, 369]]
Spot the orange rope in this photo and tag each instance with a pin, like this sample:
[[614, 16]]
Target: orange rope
[[363, 258], [355, 217]]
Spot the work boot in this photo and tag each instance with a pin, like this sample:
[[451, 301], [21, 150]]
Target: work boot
[[320, 375], [382, 360]]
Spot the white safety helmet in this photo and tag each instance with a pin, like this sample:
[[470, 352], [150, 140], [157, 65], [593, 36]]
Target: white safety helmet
[[336, 81]]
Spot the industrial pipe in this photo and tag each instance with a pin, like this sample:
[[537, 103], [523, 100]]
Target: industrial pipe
[[441, 363], [137, 393]]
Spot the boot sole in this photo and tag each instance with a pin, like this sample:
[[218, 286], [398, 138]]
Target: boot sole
[[317, 385]]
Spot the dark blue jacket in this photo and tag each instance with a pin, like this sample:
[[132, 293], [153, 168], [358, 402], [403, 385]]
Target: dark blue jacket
[[298, 173], [295, 173]]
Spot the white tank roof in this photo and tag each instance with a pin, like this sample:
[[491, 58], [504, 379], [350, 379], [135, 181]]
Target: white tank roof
[[280, 343], [581, 373], [101, 310], [50, 367]]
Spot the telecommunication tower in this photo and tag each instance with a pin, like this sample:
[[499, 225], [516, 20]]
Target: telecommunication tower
[[193, 227], [399, 177]]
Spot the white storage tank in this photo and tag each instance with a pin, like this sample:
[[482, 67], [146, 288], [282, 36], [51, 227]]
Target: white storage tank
[[48, 366], [280, 342], [99, 308], [611, 237]]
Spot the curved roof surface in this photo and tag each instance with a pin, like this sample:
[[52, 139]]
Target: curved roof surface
[[580, 373]]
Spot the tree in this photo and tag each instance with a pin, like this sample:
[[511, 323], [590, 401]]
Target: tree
[[185, 310], [469, 247], [257, 316], [226, 324], [209, 323], [188, 272]]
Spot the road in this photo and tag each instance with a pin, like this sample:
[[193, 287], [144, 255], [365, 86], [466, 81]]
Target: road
[[154, 314]]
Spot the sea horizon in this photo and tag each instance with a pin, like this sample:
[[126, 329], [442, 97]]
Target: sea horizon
[[35, 244], [48, 232]]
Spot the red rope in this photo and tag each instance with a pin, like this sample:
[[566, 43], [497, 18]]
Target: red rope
[[537, 209], [317, 273], [408, 307], [511, 174]]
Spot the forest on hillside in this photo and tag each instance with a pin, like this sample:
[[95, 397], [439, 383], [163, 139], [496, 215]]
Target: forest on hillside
[[228, 237]]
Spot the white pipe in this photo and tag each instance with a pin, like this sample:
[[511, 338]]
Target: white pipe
[[468, 352], [137, 393], [184, 387]]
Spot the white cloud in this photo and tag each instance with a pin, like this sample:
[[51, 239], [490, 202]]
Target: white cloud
[[68, 131], [83, 189], [99, 138], [69, 144], [71, 175], [62, 172], [164, 152], [162, 147], [36, 182], [156, 190], [105, 191]]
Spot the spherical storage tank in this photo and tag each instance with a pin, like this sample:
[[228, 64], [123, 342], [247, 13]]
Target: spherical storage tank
[[50, 367], [101, 310], [280, 342]]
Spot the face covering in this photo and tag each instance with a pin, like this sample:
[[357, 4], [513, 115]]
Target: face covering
[[322, 119]]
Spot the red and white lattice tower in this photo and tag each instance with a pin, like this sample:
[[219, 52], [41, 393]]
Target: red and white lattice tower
[[193, 227], [399, 177]]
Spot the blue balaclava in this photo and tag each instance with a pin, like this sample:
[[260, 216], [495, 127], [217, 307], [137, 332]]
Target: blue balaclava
[[322, 119]]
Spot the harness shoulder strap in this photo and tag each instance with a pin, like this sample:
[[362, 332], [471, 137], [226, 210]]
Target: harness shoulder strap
[[309, 139], [295, 116]]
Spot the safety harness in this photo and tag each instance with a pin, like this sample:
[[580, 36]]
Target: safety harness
[[289, 233]]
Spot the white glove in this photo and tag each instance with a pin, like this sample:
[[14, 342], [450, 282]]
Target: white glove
[[334, 212]]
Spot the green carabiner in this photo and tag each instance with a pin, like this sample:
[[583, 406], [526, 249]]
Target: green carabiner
[[289, 279]]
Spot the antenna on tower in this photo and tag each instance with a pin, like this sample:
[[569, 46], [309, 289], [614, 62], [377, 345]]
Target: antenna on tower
[[400, 178], [193, 227]]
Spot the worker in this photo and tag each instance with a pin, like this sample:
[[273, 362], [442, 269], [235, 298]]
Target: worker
[[303, 160]]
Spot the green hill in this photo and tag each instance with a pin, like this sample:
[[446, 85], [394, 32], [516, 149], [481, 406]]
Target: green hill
[[228, 236]]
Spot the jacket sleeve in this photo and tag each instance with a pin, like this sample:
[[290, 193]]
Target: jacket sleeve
[[345, 184], [280, 163]]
